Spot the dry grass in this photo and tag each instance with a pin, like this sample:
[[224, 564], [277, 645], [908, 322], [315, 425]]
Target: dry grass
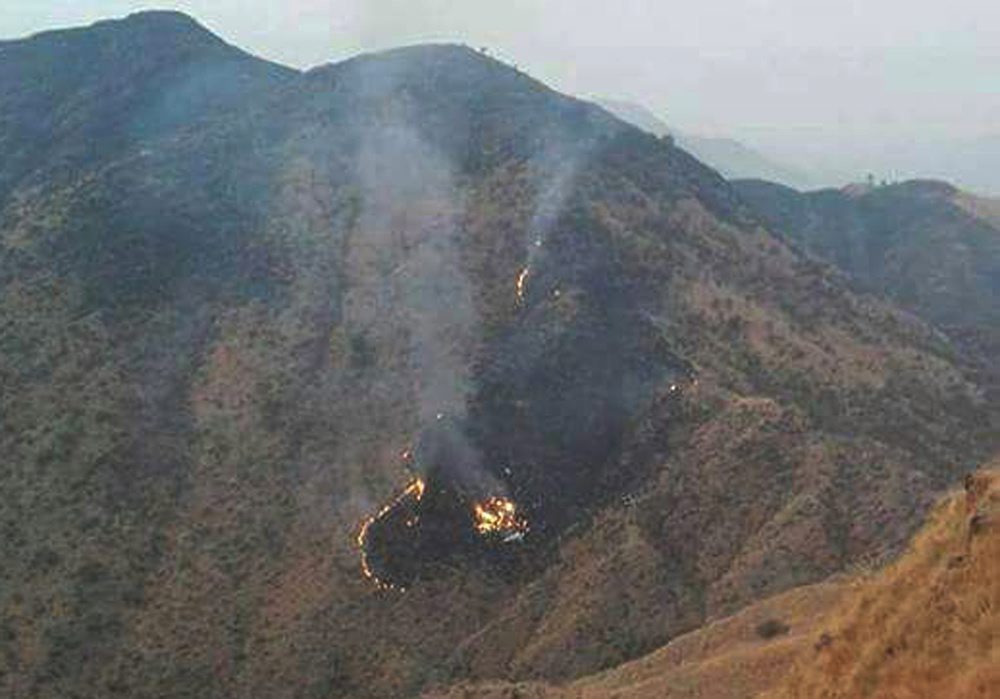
[[726, 658], [928, 625]]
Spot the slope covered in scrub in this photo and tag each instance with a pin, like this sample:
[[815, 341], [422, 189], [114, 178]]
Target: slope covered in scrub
[[225, 314], [928, 625], [925, 626]]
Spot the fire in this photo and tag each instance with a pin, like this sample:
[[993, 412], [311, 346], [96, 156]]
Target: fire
[[366, 569], [495, 518], [414, 489], [522, 277], [498, 516]]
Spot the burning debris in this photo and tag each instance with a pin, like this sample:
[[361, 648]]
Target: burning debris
[[494, 518], [442, 510], [498, 517], [522, 278]]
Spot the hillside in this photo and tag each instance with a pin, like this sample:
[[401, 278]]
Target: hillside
[[226, 314], [922, 626], [734, 657], [928, 246], [928, 624], [77, 96]]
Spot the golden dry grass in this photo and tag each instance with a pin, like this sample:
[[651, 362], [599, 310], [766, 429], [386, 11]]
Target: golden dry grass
[[726, 658], [928, 625]]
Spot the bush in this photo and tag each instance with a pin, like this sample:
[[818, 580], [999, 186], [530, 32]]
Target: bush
[[771, 628]]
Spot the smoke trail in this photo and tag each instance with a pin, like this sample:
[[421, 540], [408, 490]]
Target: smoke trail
[[410, 224], [558, 167], [556, 170], [409, 214]]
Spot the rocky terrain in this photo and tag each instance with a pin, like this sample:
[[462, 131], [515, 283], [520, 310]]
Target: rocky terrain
[[233, 295]]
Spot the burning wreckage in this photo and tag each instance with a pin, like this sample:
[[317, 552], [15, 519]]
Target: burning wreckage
[[451, 505], [568, 384], [394, 538]]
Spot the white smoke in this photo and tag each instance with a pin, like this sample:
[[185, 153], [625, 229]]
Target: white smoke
[[556, 170], [411, 223]]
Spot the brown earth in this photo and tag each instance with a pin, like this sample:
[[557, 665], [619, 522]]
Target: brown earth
[[216, 343], [922, 626]]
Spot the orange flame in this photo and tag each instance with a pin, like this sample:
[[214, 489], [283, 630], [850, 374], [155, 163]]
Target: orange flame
[[522, 278], [414, 489], [499, 516]]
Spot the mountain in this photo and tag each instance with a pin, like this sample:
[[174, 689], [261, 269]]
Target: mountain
[[966, 162], [271, 337], [77, 95], [731, 158], [738, 656], [927, 624], [921, 626], [928, 246], [637, 115]]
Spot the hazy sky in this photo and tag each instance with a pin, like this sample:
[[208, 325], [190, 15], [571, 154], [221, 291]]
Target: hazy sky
[[792, 75]]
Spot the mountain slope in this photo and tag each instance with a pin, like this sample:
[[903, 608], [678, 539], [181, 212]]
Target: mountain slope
[[927, 625], [926, 245], [75, 95], [923, 626], [733, 657], [219, 334], [731, 158]]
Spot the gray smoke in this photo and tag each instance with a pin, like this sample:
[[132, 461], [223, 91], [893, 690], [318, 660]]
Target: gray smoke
[[410, 214], [556, 171], [410, 221]]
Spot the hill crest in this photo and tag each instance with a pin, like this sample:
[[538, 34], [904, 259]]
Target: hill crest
[[227, 322]]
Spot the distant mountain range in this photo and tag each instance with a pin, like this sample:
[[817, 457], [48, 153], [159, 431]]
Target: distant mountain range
[[731, 158], [247, 310], [968, 163], [928, 246]]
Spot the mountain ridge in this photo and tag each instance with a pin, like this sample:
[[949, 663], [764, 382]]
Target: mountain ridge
[[833, 638], [730, 157], [933, 249], [214, 353], [182, 73]]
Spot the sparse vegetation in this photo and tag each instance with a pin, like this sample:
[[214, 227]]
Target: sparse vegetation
[[772, 628], [208, 372], [926, 625]]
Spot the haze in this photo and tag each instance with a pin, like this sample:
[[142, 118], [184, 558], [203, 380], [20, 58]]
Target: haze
[[899, 88]]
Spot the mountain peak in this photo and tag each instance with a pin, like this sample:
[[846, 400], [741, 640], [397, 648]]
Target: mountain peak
[[430, 59], [113, 82], [163, 22], [161, 15], [161, 18], [168, 21]]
